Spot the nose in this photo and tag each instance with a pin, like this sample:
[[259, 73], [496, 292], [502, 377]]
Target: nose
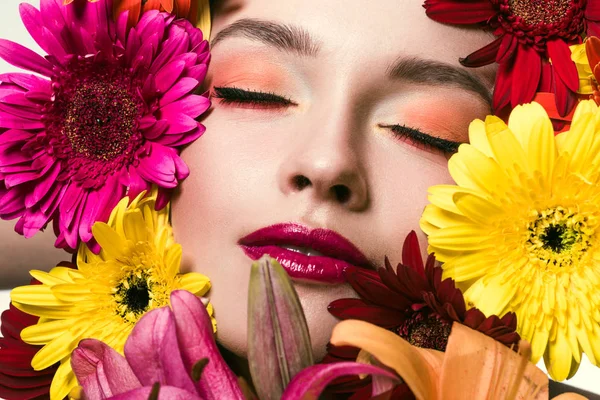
[[326, 162]]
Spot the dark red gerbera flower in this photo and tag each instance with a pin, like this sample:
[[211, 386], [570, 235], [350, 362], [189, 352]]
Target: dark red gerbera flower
[[530, 34], [416, 303], [18, 380]]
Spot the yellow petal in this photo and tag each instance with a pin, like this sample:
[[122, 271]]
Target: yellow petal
[[36, 295], [204, 20], [64, 380], [508, 152], [194, 282], [173, 260], [46, 278], [112, 243], [57, 349], [488, 178], [558, 357], [541, 146], [461, 238], [478, 137], [135, 226], [480, 210], [71, 293], [416, 366], [491, 297], [526, 119], [42, 333]]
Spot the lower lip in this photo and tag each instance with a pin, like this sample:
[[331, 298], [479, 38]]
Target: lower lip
[[300, 266]]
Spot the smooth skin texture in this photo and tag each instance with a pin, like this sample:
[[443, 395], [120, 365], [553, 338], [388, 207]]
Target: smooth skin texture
[[245, 169]]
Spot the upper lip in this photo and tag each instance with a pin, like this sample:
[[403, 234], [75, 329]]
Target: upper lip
[[329, 243]]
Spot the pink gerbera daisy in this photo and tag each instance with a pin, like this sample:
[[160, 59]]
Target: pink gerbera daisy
[[107, 116]]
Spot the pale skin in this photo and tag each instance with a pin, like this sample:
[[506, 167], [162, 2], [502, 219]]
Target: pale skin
[[244, 169]]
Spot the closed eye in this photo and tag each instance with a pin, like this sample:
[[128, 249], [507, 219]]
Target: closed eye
[[422, 140], [247, 98]]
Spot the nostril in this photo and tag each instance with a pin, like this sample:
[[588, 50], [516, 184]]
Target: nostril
[[300, 182], [342, 193]]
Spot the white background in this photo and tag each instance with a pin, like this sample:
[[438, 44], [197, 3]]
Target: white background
[[588, 376]]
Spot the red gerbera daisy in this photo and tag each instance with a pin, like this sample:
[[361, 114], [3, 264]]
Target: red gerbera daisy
[[416, 303], [532, 45], [108, 117], [18, 379]]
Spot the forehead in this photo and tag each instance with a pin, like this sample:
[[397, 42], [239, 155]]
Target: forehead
[[372, 31]]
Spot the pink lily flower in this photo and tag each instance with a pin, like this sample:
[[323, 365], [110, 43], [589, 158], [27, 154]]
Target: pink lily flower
[[171, 350]]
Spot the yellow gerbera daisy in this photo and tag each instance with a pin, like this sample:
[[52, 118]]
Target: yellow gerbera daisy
[[135, 272], [521, 230]]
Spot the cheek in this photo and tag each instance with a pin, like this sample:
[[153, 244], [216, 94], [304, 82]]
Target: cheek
[[401, 183]]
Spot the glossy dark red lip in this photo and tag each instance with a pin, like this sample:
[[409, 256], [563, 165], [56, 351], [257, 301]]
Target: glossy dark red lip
[[336, 252]]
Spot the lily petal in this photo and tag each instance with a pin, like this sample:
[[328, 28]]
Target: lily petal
[[310, 383], [278, 341], [419, 368], [101, 370], [196, 341]]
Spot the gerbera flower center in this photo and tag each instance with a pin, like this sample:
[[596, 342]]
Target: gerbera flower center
[[92, 123], [426, 331], [100, 118], [133, 295], [538, 12], [559, 237]]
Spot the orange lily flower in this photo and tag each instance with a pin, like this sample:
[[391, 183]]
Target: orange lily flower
[[195, 11], [474, 365]]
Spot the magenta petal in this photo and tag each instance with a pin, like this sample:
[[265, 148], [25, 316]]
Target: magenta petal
[[166, 77], [311, 381], [196, 339], [159, 166], [192, 106], [32, 19], [164, 393], [20, 56], [178, 90], [153, 352], [101, 370]]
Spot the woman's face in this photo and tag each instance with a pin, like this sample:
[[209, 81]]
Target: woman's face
[[334, 115]]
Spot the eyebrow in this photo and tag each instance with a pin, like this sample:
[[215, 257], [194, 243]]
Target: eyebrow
[[430, 72], [295, 39], [281, 36]]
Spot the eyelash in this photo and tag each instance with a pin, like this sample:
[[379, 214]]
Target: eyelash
[[415, 136], [257, 99]]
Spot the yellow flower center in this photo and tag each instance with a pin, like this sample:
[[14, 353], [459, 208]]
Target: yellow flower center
[[535, 12], [559, 237], [141, 287]]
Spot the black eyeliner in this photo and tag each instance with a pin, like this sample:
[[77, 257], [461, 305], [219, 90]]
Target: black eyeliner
[[447, 146], [233, 95]]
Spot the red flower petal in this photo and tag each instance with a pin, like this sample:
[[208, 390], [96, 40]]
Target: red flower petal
[[484, 56], [565, 98], [507, 48], [358, 309], [593, 28], [460, 12], [501, 96], [592, 11], [525, 75], [411, 253], [592, 50], [560, 55]]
